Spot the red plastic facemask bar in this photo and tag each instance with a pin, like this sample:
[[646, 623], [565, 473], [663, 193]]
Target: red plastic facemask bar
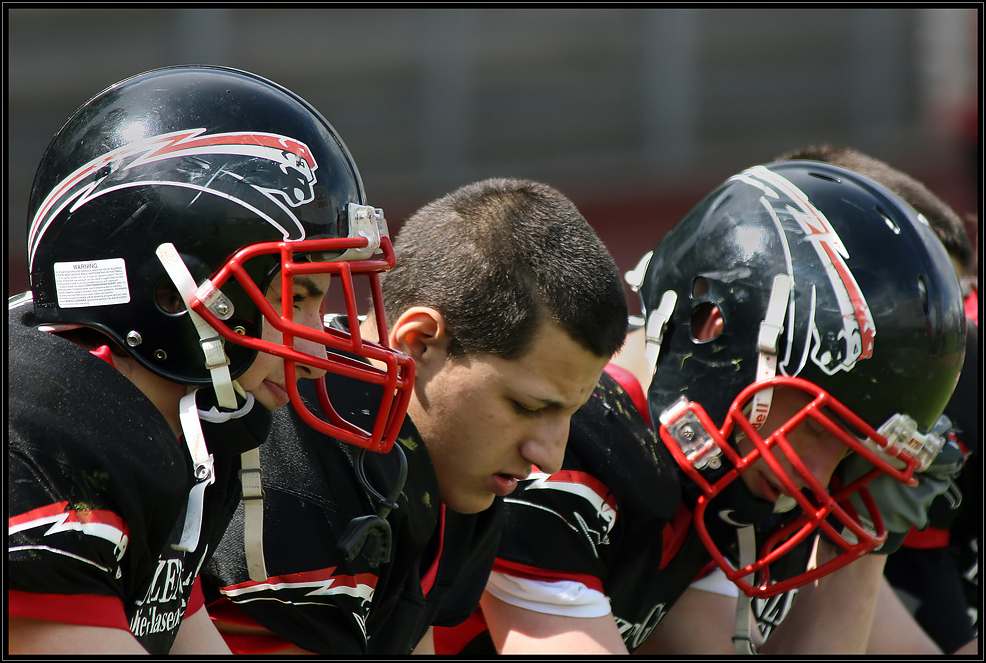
[[828, 503], [396, 378]]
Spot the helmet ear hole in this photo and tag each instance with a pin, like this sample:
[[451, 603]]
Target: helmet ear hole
[[167, 298], [707, 322]]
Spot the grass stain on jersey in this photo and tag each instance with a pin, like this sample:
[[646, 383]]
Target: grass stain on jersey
[[98, 480]]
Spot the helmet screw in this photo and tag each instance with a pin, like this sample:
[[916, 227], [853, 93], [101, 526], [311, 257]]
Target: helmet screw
[[222, 308], [134, 339], [239, 329], [688, 433], [160, 355], [201, 472]]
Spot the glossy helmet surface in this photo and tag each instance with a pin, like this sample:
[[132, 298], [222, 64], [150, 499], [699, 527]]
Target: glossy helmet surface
[[867, 322], [248, 183]]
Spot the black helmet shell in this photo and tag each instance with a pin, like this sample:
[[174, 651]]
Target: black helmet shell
[[207, 158], [875, 315]]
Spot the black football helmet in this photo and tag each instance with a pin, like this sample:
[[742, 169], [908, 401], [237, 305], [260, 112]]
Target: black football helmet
[[803, 276], [208, 183]]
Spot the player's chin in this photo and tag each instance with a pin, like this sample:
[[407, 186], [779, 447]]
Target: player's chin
[[758, 486], [471, 502]]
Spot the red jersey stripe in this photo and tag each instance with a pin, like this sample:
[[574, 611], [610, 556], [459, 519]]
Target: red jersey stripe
[[82, 609], [546, 575]]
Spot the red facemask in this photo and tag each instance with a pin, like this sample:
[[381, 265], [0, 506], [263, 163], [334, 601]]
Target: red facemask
[[700, 448], [396, 378]]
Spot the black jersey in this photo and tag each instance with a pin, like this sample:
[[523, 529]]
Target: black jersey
[[600, 520], [937, 568], [97, 485], [315, 597], [616, 519]]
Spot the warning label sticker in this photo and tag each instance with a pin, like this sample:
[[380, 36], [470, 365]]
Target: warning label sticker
[[91, 283]]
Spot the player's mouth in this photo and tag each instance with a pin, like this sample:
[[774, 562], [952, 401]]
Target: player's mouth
[[504, 484], [768, 490], [277, 396]]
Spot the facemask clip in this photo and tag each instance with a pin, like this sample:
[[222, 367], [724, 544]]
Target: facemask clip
[[902, 435], [367, 222], [685, 428]]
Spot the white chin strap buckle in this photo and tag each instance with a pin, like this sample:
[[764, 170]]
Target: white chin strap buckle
[[202, 462], [251, 477]]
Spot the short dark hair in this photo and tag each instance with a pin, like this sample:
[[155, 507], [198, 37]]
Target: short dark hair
[[943, 219], [497, 257]]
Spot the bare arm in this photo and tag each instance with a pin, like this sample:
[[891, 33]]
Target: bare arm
[[700, 622], [894, 629], [243, 629], [686, 628], [198, 635], [427, 645], [519, 631], [38, 636], [835, 614]]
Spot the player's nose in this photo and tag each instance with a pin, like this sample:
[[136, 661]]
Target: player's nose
[[823, 457], [545, 448], [312, 320]]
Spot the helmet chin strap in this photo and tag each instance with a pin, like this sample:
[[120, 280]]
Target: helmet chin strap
[[657, 322], [635, 277], [251, 477], [217, 363], [745, 623], [770, 330], [211, 342], [204, 471]]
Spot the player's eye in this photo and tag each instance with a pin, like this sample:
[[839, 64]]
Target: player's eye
[[526, 411]]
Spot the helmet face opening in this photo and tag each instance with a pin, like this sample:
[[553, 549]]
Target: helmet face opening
[[251, 189], [781, 465], [339, 351]]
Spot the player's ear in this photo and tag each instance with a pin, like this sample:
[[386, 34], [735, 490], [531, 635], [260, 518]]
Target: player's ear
[[421, 333]]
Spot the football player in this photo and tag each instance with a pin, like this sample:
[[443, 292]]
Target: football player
[[185, 227], [510, 306], [804, 331], [936, 568]]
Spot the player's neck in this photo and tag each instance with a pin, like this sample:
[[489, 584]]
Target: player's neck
[[164, 394], [632, 357]]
